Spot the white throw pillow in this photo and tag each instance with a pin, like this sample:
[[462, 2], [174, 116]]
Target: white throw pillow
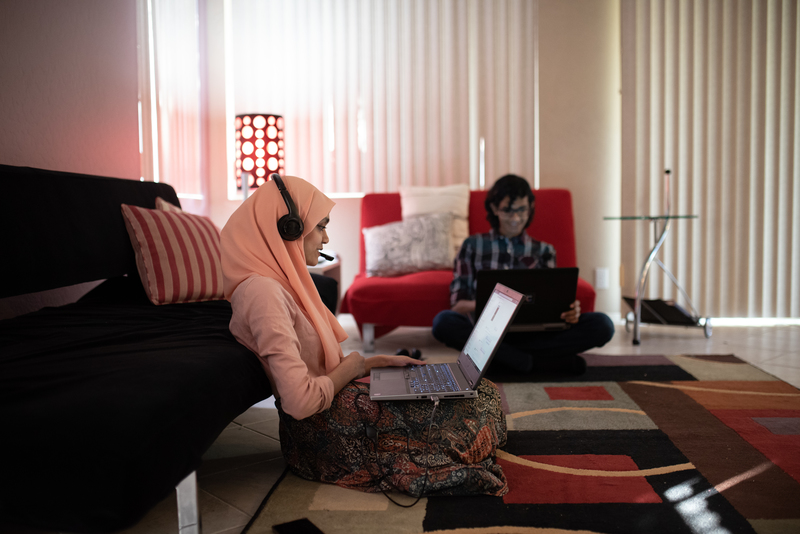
[[417, 244], [453, 199]]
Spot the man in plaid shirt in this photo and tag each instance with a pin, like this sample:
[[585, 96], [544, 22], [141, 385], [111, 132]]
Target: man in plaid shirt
[[510, 206]]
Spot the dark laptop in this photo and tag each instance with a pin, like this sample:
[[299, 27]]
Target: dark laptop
[[548, 294]]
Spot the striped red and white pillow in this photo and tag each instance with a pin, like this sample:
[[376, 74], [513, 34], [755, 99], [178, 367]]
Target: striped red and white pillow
[[177, 254], [165, 205]]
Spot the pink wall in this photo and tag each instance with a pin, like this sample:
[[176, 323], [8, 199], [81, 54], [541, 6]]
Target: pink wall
[[68, 98], [69, 86]]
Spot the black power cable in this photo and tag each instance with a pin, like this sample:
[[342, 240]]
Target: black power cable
[[372, 434]]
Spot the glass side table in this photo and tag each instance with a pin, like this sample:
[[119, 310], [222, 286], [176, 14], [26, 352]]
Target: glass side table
[[659, 311]]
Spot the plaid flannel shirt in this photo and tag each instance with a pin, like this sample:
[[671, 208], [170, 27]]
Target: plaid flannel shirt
[[495, 251]]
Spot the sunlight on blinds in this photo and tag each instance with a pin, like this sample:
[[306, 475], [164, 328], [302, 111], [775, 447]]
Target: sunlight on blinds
[[377, 94], [710, 91], [169, 31]]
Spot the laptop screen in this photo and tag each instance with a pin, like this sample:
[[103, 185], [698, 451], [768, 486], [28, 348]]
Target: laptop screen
[[548, 292], [489, 330]]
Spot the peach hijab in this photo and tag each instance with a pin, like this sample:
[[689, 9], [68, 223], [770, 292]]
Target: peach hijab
[[252, 246]]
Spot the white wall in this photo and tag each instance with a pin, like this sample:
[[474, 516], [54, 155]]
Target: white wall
[[69, 86], [343, 232], [580, 106]]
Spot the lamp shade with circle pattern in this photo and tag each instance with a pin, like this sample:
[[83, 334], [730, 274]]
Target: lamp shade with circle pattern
[[259, 148]]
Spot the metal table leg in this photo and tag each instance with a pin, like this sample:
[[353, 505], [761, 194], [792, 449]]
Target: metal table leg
[[651, 258], [645, 272], [637, 315]]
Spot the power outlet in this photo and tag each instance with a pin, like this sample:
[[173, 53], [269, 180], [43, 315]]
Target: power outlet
[[601, 278]]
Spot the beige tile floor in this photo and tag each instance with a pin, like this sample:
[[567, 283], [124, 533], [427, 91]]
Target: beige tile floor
[[245, 461]]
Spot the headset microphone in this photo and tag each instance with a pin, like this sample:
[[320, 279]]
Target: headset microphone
[[290, 226], [329, 258]]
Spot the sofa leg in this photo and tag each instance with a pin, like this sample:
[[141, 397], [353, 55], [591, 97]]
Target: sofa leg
[[368, 337], [188, 513]]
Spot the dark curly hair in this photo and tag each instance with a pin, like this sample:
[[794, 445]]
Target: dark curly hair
[[513, 187]]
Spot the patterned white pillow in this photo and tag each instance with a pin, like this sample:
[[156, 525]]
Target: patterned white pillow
[[453, 199], [416, 244]]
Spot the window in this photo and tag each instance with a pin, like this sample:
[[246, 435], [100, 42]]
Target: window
[[170, 107], [376, 94]]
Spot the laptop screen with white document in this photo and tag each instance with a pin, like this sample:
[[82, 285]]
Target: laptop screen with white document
[[462, 376], [488, 332]]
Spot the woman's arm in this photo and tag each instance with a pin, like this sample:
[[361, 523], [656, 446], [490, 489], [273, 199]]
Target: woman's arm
[[384, 360], [264, 321], [355, 366], [351, 367], [268, 322]]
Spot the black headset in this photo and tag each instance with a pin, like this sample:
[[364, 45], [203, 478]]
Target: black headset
[[290, 226]]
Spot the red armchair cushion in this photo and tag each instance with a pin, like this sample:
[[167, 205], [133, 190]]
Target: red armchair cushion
[[586, 295], [415, 299], [408, 300]]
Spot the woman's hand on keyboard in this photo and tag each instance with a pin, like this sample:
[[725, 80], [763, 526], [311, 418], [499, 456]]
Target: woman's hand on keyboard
[[385, 360]]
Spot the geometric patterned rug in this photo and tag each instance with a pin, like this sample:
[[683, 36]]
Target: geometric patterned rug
[[672, 444]]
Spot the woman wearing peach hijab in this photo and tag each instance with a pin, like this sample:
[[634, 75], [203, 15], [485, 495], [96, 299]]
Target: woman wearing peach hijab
[[324, 414]]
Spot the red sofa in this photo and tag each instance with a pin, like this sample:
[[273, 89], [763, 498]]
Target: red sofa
[[381, 304]]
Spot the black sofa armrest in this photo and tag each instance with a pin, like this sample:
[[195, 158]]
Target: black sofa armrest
[[59, 229]]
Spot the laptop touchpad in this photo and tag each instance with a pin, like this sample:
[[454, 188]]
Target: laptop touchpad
[[389, 382], [388, 373]]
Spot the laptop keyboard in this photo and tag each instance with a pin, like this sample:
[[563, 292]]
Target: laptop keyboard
[[432, 378]]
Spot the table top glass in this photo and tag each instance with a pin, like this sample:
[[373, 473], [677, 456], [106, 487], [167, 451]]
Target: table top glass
[[649, 217]]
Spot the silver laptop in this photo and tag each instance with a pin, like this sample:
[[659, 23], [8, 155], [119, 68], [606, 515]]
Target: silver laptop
[[452, 380], [548, 294]]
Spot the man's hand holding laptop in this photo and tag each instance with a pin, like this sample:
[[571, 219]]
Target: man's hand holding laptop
[[573, 314]]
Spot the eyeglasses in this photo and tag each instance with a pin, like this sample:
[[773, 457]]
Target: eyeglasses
[[508, 212]]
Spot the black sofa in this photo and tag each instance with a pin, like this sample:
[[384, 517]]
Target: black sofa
[[108, 403]]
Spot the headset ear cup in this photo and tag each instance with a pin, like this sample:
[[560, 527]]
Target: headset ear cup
[[290, 227]]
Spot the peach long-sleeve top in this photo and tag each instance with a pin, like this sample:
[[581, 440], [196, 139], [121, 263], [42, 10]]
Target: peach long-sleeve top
[[267, 320]]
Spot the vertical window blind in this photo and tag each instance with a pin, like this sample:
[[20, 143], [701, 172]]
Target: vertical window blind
[[170, 95], [710, 91], [377, 94]]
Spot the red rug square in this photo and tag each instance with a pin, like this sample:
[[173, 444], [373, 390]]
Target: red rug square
[[530, 485], [782, 449], [588, 393]]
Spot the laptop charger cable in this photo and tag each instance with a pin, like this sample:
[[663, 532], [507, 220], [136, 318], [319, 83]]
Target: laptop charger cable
[[371, 433]]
